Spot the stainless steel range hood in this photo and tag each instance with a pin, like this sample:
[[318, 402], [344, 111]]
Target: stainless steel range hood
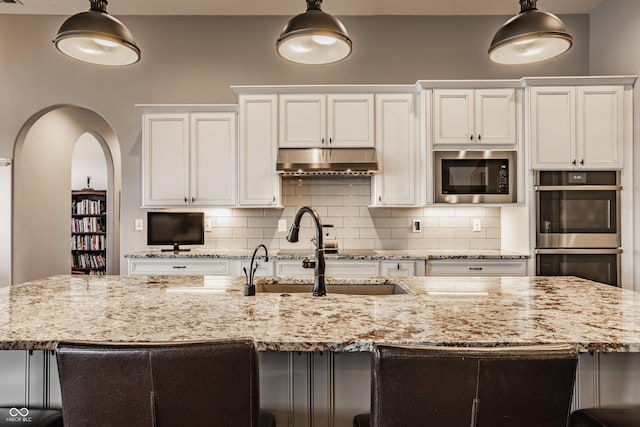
[[327, 161]]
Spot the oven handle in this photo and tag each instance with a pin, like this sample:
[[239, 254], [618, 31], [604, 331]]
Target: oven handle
[[568, 251], [577, 187]]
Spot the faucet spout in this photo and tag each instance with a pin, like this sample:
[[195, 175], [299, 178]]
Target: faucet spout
[[319, 288], [250, 288]]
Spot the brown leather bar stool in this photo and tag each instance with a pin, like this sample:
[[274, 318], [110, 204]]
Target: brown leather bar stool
[[187, 384], [529, 386], [614, 416]]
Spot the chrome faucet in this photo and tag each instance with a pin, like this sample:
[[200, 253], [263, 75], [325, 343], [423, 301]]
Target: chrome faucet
[[249, 287], [319, 288]]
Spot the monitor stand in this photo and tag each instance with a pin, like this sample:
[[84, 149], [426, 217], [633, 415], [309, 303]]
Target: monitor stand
[[176, 248]]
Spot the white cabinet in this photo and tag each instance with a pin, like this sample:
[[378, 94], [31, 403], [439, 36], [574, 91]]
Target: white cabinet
[[180, 266], [396, 181], [333, 120], [578, 127], [264, 268], [189, 159], [397, 268], [477, 267], [259, 184], [333, 268], [475, 116]]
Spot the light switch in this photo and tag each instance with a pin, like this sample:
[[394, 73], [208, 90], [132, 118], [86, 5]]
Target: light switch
[[138, 224], [477, 224], [208, 224], [416, 226], [282, 225]]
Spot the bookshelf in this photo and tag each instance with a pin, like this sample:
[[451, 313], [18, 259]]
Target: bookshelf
[[89, 232]]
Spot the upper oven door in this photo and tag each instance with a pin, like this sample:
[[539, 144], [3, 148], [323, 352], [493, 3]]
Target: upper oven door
[[577, 210], [475, 176]]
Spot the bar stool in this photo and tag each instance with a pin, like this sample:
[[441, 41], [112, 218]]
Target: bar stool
[[614, 416], [131, 384], [529, 386]]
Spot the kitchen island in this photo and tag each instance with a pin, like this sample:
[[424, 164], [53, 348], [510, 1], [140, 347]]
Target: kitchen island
[[317, 347]]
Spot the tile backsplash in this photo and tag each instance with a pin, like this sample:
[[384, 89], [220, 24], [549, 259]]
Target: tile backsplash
[[343, 202]]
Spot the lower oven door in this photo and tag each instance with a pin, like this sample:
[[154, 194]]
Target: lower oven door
[[599, 265]]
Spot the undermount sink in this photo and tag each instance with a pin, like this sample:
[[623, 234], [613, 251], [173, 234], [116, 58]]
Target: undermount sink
[[358, 287]]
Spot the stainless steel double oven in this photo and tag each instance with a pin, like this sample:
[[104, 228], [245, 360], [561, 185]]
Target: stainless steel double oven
[[578, 224]]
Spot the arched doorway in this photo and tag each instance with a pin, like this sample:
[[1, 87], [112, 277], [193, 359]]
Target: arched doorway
[[41, 198]]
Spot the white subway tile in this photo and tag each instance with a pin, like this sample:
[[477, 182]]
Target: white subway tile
[[231, 222], [341, 211], [470, 211], [418, 244], [245, 233], [484, 244], [455, 222], [453, 244]]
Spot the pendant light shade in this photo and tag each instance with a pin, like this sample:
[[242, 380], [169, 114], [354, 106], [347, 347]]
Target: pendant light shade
[[97, 37], [530, 36], [314, 37]]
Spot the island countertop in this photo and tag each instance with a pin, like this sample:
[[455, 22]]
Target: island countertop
[[487, 311]]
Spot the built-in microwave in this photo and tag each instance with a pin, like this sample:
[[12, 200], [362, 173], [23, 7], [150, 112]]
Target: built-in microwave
[[475, 176]]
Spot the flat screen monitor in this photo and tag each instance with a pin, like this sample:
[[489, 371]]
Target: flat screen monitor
[[175, 229]]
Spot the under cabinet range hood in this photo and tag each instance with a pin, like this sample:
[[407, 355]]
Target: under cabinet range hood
[[327, 161]]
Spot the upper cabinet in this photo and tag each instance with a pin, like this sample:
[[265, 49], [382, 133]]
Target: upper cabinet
[[475, 116], [259, 184], [331, 120], [396, 181], [189, 159], [577, 127]]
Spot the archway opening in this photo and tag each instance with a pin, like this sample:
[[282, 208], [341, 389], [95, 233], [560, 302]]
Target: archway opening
[[43, 158]]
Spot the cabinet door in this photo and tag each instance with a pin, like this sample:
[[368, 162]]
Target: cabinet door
[[553, 125], [395, 182], [303, 121], [350, 120], [165, 153], [397, 268], [495, 116], [453, 116], [213, 159], [259, 182], [600, 127]]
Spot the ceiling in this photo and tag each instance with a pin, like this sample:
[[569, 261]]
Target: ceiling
[[289, 7]]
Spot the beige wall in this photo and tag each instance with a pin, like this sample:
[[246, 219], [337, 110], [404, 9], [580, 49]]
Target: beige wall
[[196, 59]]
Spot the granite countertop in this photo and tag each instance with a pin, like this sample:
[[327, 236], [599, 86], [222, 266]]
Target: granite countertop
[[486, 311], [343, 254]]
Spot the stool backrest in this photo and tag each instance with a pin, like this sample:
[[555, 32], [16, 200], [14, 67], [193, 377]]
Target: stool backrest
[[195, 384], [529, 386]]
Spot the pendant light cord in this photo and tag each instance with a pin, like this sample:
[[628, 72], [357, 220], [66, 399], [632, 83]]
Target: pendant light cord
[[98, 5]]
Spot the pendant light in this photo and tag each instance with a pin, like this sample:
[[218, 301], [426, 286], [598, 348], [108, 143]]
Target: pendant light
[[97, 37], [314, 37], [530, 36]]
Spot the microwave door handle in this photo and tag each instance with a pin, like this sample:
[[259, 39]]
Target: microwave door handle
[[608, 214], [577, 187]]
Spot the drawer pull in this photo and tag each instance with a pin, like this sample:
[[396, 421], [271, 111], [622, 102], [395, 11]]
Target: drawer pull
[[475, 268], [179, 266]]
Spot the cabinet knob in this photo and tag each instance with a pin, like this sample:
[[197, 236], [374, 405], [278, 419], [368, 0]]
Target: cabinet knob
[[193, 200], [379, 198], [471, 137], [186, 200], [582, 162], [475, 268], [179, 266], [479, 137], [322, 140], [573, 162], [398, 266], [330, 140], [273, 200]]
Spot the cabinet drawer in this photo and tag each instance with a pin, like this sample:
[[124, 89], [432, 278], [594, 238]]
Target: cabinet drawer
[[333, 268], [477, 268], [179, 267]]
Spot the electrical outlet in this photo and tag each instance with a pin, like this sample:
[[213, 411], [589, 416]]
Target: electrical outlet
[[282, 225], [138, 224], [477, 225], [416, 226], [208, 224]]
